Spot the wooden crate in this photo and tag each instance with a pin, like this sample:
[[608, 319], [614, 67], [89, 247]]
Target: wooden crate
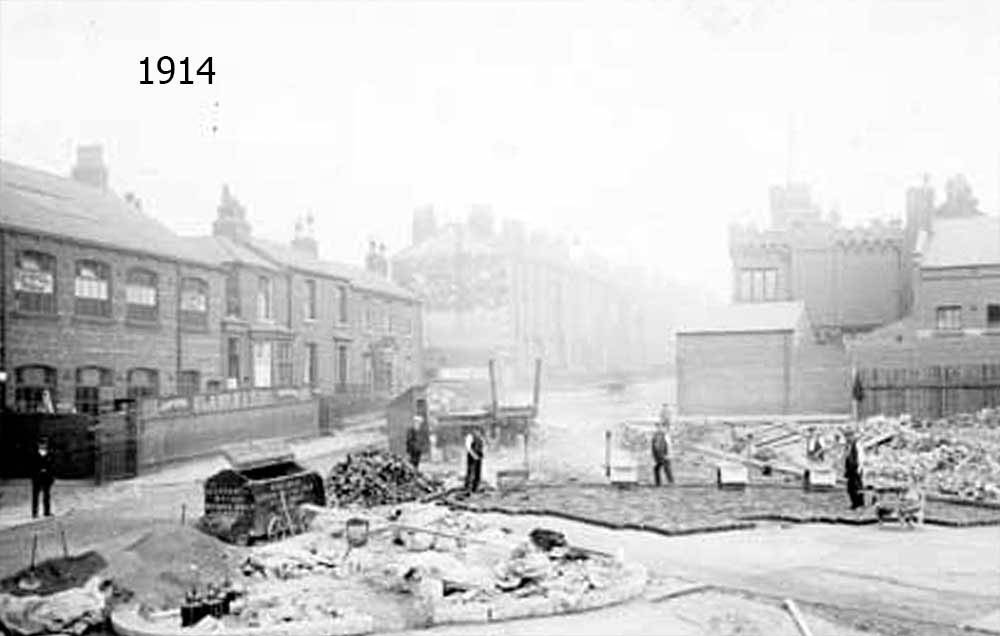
[[512, 479]]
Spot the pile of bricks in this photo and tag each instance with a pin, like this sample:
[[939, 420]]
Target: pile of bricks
[[375, 478]]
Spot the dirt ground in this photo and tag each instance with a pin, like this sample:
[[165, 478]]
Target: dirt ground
[[847, 580]]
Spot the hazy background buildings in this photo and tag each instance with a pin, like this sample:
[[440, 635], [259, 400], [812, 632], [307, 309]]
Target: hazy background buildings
[[641, 129]]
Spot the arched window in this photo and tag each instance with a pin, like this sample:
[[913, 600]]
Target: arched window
[[194, 302], [143, 383], [30, 384], [141, 295], [35, 282], [94, 388], [92, 288]]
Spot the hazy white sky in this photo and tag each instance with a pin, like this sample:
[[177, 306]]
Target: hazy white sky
[[643, 129]]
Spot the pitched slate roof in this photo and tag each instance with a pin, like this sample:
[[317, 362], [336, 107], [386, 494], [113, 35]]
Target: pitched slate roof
[[221, 249], [963, 242], [748, 317], [358, 277], [36, 201]]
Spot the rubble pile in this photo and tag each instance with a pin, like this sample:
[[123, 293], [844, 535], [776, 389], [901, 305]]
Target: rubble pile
[[308, 602], [72, 611], [958, 456], [374, 478], [941, 461]]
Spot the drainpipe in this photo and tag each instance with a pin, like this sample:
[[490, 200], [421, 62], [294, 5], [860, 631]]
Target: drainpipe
[[177, 371]]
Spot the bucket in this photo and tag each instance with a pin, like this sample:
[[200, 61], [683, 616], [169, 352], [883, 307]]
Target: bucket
[[357, 532]]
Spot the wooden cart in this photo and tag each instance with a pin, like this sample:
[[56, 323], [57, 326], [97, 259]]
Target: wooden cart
[[259, 497]]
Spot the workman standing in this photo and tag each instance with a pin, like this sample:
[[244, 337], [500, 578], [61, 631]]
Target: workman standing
[[41, 478], [661, 451], [854, 470], [473, 459], [815, 450], [414, 441]]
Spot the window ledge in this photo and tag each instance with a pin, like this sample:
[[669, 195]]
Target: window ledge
[[138, 323], [35, 315], [949, 333], [96, 320]]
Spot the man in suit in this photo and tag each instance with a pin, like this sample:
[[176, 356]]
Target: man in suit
[[41, 478], [661, 451], [414, 441], [473, 459]]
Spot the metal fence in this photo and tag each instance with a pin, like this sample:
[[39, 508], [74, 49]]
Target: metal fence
[[930, 392]]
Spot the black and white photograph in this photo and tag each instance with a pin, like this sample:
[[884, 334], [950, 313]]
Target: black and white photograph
[[500, 317]]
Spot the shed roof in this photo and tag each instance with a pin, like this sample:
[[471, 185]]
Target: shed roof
[[962, 242], [37, 201], [748, 317]]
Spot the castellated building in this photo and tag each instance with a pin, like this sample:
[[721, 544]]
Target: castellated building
[[908, 307]]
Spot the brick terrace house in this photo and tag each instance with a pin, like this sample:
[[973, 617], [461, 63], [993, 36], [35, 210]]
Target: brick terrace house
[[945, 356], [100, 300], [103, 302], [293, 319]]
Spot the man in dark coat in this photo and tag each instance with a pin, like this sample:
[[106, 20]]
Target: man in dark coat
[[473, 459], [853, 471], [41, 478], [415, 442], [661, 452]]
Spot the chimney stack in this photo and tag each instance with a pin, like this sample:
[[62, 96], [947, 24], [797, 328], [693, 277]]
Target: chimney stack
[[230, 220], [90, 168], [305, 236]]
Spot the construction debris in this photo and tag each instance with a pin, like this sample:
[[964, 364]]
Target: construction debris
[[55, 575], [70, 611], [958, 456], [374, 478]]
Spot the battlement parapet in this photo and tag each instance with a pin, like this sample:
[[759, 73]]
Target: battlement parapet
[[875, 232]]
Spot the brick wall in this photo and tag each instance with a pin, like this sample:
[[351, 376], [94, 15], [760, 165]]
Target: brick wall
[[172, 438], [821, 378], [67, 341], [970, 288], [733, 373]]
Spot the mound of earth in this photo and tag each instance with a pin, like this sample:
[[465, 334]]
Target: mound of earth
[[167, 561]]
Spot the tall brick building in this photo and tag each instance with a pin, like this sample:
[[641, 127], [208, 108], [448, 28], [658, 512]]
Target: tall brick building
[[496, 293], [102, 302]]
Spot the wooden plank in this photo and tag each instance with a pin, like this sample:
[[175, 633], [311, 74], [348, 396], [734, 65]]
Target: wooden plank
[[800, 622]]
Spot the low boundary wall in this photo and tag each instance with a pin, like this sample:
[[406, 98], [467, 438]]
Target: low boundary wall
[[166, 438]]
